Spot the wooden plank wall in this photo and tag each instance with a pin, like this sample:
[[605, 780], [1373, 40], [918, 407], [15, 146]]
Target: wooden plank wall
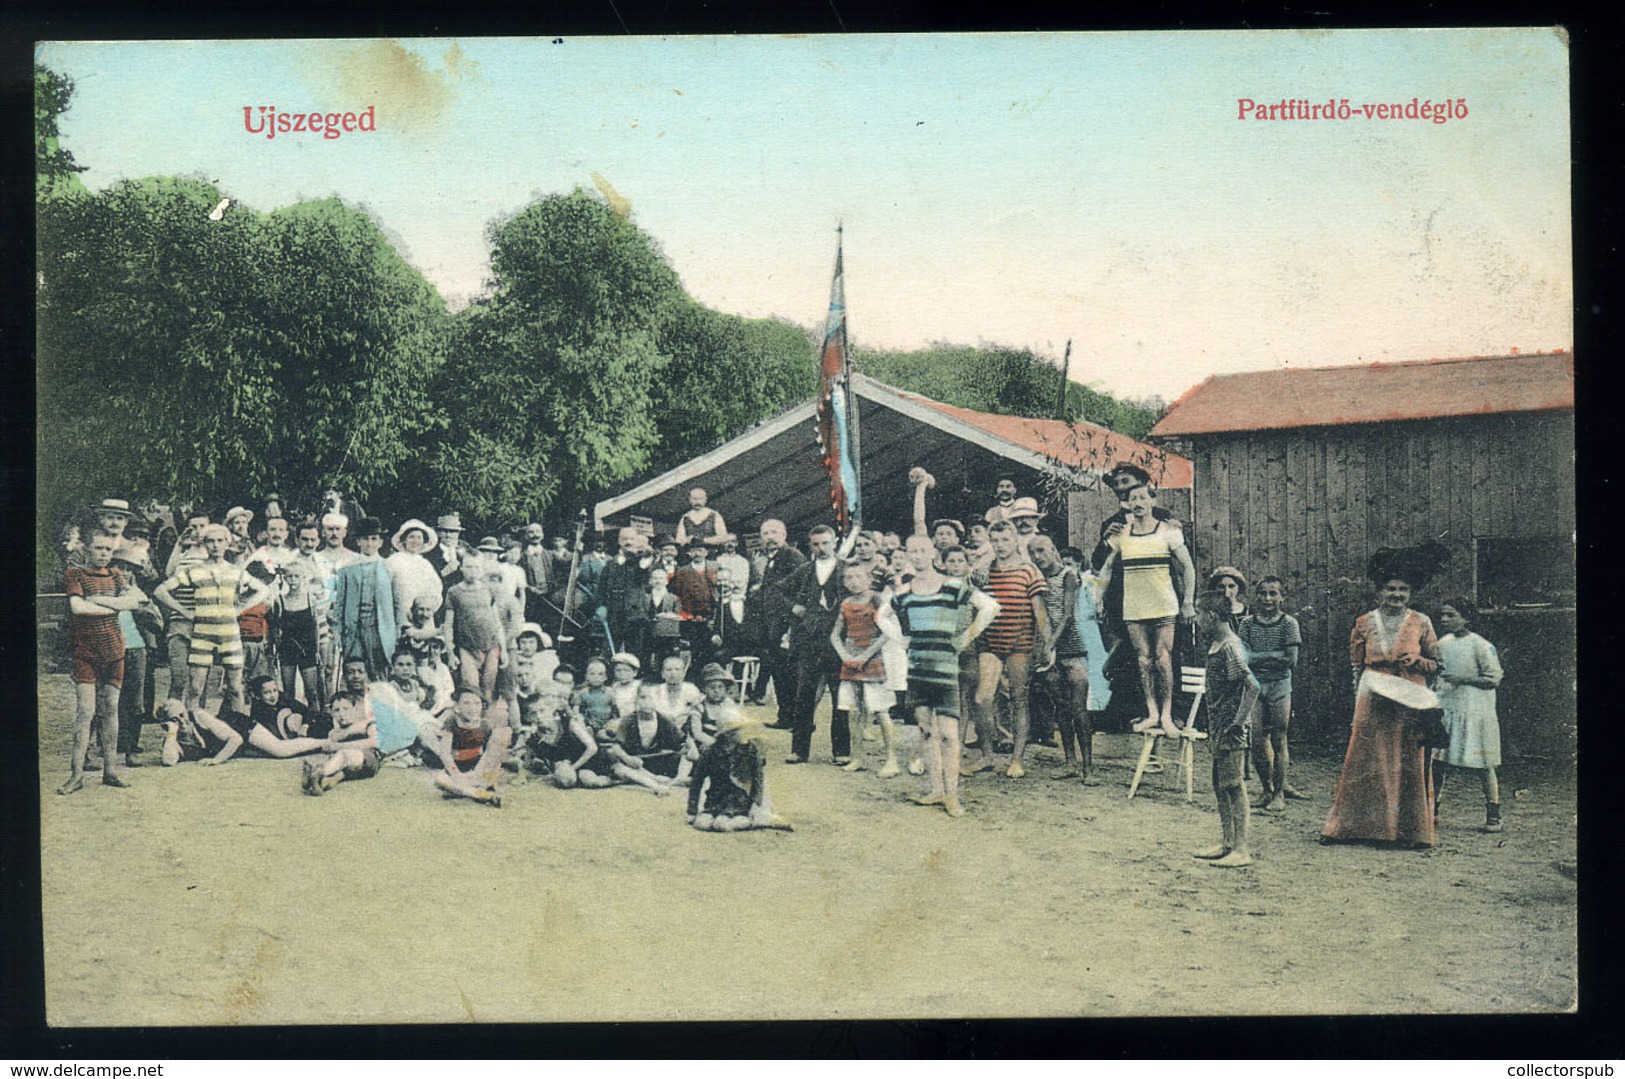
[[1310, 505]]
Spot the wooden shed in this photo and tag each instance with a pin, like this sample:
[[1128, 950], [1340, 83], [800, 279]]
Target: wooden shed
[[1303, 473]]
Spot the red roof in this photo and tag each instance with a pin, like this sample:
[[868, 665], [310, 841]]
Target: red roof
[[1373, 393], [1083, 445]]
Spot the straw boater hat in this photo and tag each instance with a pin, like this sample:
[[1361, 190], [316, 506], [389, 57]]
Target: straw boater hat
[[1023, 507], [430, 540], [627, 658], [113, 506], [490, 545], [449, 522]]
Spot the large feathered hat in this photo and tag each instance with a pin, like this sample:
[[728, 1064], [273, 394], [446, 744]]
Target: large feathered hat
[[1416, 566]]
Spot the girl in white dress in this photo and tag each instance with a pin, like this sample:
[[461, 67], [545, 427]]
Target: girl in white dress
[[1469, 671]]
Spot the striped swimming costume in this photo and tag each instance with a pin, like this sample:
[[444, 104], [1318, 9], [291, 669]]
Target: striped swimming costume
[[1016, 627], [215, 635], [931, 622], [1147, 565]]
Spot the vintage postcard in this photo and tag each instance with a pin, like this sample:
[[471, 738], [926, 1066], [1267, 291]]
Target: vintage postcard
[[824, 527]]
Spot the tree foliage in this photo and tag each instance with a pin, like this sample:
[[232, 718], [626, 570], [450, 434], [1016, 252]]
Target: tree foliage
[[550, 382], [1009, 381], [54, 167], [220, 360], [723, 374]]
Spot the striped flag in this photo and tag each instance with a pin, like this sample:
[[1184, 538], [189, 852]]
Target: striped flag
[[837, 421]]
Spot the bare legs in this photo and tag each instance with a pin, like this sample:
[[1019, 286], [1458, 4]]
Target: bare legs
[[315, 692], [1154, 652], [940, 735], [1231, 794], [283, 748], [478, 670], [1077, 735], [481, 782], [1272, 756], [93, 703]]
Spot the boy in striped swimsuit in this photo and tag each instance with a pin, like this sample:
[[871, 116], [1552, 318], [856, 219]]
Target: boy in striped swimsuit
[[216, 639], [1008, 646], [471, 751], [96, 595], [928, 612]]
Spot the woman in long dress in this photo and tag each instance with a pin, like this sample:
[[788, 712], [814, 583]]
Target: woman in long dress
[[1383, 792]]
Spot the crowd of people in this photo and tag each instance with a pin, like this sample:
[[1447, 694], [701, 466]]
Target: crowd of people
[[297, 636]]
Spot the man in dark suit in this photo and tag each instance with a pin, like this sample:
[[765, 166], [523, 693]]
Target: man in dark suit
[[769, 609], [815, 594], [622, 593]]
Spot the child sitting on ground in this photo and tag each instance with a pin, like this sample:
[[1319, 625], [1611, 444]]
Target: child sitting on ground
[[732, 778], [560, 744], [644, 747], [678, 703], [471, 751], [592, 702], [355, 738], [717, 710], [858, 638], [435, 675], [1232, 691], [623, 691]]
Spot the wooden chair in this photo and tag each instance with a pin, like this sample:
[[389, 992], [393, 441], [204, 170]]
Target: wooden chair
[[1192, 680], [745, 669]]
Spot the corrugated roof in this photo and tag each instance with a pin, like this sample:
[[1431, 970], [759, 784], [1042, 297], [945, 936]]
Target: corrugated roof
[[1080, 444], [1373, 393]]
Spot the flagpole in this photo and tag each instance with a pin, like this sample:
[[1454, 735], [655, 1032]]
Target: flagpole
[[852, 403]]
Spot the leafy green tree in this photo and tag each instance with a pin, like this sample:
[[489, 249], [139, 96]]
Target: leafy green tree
[[218, 359], [1005, 380], [55, 170], [1008, 381], [723, 374], [551, 379]]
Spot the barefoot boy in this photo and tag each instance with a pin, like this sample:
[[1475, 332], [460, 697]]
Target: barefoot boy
[[96, 595], [1232, 691], [471, 751], [1272, 639], [357, 755]]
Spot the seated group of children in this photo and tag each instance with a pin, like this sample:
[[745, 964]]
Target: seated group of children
[[603, 732]]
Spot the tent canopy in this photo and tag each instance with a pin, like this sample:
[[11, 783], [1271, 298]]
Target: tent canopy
[[773, 470]]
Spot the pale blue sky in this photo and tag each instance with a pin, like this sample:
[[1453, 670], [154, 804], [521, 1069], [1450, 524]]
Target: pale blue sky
[[1012, 189]]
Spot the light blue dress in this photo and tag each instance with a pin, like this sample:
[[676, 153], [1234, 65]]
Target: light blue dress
[[1088, 616], [1469, 711]]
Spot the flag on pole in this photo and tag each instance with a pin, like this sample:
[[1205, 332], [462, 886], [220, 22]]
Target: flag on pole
[[837, 434]]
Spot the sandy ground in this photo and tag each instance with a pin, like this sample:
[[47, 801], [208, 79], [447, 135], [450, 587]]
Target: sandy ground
[[228, 897]]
